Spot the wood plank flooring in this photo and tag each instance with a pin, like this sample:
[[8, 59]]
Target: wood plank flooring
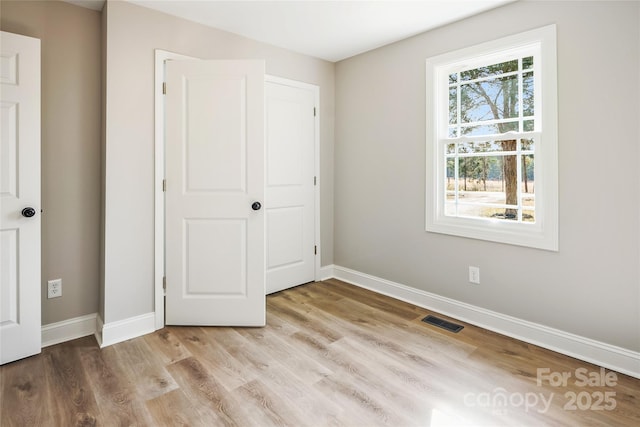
[[331, 355]]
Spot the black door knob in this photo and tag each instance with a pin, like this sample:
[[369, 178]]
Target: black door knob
[[28, 212], [256, 206]]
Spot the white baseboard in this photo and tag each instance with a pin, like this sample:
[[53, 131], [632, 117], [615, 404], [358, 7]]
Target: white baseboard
[[326, 272], [122, 330], [67, 330], [602, 354]]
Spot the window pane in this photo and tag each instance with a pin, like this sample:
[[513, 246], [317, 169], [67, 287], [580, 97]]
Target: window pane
[[528, 182], [490, 70], [453, 78], [451, 175], [527, 145], [453, 105], [528, 126], [528, 216], [527, 63], [453, 131], [527, 94], [467, 170], [528, 202]]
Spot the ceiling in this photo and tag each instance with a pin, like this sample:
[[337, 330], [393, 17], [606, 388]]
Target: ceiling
[[331, 30]]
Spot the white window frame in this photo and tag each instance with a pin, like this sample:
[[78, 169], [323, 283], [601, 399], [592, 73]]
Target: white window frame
[[542, 234]]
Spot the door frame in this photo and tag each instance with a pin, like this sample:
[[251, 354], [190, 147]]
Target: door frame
[[159, 175]]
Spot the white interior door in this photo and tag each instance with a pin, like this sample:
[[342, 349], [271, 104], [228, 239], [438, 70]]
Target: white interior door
[[290, 185], [215, 259], [20, 325]]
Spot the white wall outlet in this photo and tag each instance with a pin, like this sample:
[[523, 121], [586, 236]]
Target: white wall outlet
[[474, 274], [54, 288]]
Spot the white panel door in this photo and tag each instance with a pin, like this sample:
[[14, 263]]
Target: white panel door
[[290, 192], [215, 259], [20, 326]]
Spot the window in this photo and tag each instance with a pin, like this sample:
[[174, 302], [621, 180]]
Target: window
[[492, 141]]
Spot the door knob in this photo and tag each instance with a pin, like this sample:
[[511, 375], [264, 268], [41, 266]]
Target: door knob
[[256, 206], [28, 212]]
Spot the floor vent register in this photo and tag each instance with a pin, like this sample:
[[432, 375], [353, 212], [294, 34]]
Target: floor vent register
[[441, 323]]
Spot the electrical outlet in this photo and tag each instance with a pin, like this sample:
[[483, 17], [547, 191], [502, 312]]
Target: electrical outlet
[[474, 274], [54, 288]]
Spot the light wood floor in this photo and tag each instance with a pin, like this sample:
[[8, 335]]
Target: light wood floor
[[331, 355]]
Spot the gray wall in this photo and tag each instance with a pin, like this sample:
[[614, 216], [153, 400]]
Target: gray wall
[[132, 35], [71, 104], [591, 286]]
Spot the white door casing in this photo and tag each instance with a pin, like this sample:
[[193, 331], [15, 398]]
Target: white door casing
[[215, 259], [20, 317], [290, 181]]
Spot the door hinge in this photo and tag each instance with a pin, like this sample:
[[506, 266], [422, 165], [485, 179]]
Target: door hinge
[[315, 250], [314, 111], [164, 283], [315, 180], [164, 88], [164, 185]]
